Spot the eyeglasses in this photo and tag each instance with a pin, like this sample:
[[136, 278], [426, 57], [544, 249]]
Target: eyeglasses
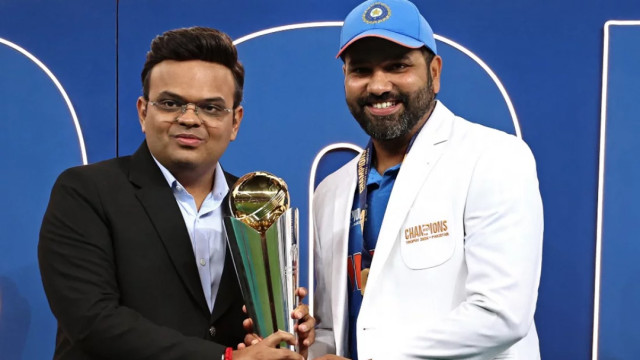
[[204, 110]]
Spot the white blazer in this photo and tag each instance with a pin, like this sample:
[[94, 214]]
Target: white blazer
[[457, 264]]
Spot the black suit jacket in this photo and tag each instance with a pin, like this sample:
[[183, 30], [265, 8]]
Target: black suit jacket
[[119, 271]]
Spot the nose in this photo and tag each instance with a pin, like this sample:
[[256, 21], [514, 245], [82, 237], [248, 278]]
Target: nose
[[189, 118], [379, 82]]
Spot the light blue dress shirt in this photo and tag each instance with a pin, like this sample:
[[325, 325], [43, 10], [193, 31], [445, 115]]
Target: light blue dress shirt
[[205, 228]]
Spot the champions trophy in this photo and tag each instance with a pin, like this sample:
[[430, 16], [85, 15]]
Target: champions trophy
[[263, 238]]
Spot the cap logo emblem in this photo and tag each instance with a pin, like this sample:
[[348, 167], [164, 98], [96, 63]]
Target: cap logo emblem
[[376, 13]]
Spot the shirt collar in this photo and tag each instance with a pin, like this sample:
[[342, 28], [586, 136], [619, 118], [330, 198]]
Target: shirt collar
[[220, 186], [375, 177]]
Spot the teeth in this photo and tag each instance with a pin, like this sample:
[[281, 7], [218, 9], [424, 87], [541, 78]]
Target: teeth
[[383, 105]]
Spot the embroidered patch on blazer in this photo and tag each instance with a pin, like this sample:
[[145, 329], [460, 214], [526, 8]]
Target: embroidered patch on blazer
[[424, 232]]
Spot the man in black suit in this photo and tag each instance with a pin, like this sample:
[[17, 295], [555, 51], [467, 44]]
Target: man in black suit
[[132, 251]]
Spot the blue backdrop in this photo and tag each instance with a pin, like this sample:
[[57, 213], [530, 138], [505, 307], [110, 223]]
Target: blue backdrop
[[547, 54], [620, 175]]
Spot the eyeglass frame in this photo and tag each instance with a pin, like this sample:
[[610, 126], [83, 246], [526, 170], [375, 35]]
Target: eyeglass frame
[[183, 109]]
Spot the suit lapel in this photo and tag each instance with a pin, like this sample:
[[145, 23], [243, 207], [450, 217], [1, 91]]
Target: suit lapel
[[416, 167], [158, 201], [229, 288], [341, 215]]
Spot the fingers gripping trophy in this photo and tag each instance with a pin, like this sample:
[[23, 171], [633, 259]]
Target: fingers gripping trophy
[[263, 239]]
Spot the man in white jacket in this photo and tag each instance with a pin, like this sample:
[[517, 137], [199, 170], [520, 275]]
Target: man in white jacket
[[428, 244]]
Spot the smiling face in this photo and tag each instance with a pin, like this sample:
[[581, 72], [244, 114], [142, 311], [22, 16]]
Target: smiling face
[[390, 89], [182, 142]]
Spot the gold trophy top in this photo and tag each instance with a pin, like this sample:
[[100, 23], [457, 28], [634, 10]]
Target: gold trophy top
[[258, 199]]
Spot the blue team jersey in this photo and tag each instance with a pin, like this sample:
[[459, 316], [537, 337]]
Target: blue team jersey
[[378, 191]]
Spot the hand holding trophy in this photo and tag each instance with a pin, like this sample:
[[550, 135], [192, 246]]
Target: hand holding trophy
[[263, 239]]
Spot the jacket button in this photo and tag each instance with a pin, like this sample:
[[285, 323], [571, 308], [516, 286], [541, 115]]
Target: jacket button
[[212, 331]]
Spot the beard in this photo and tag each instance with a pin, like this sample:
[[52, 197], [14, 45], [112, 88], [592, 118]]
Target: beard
[[391, 127]]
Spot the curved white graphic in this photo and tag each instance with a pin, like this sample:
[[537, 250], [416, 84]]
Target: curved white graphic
[[285, 28], [312, 179], [491, 74], [60, 88], [356, 148], [603, 133]]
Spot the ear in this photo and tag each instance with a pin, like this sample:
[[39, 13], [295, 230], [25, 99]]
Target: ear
[[142, 111], [435, 68], [238, 113], [344, 69]]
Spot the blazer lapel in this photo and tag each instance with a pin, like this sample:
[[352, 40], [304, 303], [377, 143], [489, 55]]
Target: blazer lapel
[[229, 284], [416, 167], [157, 199], [341, 215]]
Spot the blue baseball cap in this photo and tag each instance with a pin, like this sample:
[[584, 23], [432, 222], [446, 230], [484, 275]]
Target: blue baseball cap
[[394, 20]]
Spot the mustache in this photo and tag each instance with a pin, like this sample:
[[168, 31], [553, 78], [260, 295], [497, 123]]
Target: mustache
[[372, 98]]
